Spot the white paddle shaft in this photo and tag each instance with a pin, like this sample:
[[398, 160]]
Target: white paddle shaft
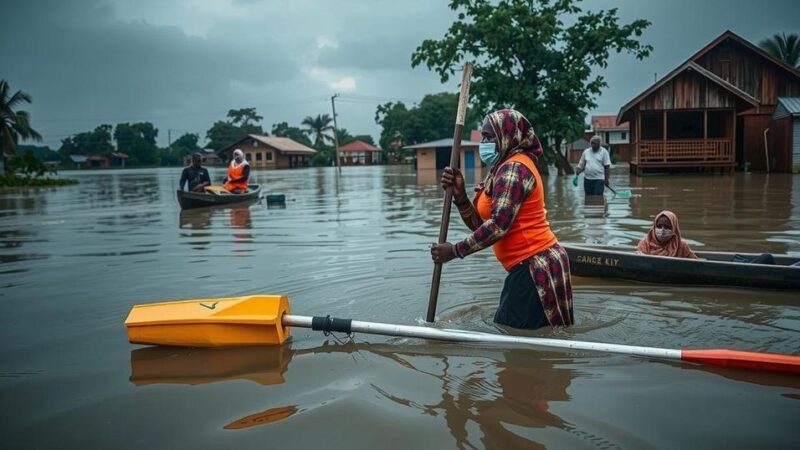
[[440, 334]]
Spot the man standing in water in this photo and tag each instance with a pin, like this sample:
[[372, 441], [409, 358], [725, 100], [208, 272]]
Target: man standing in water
[[596, 163], [196, 175]]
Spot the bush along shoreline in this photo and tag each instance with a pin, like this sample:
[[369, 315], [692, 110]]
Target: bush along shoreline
[[11, 180]]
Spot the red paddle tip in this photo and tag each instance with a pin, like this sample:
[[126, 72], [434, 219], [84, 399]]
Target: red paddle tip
[[744, 360]]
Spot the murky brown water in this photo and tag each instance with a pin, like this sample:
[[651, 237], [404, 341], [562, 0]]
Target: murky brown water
[[73, 261]]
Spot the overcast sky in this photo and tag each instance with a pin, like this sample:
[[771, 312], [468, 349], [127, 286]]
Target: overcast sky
[[182, 64]]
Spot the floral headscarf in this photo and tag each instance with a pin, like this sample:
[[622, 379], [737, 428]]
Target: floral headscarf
[[514, 135]]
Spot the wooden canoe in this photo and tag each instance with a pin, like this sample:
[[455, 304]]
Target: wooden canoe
[[712, 269], [191, 200]]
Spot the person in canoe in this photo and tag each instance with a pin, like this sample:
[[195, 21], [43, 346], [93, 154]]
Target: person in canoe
[[508, 214], [195, 175], [664, 238], [238, 174]]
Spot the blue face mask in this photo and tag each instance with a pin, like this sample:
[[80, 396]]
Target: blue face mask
[[488, 152]]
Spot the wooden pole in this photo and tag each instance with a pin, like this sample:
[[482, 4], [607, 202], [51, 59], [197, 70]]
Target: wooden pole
[[336, 133], [455, 153]]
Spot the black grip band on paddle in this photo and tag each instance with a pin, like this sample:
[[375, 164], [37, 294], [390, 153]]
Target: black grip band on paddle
[[328, 324]]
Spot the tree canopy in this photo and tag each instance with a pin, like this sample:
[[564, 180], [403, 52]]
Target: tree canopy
[[240, 123], [432, 119], [98, 141], [785, 48], [138, 140], [14, 124], [540, 57], [283, 129]]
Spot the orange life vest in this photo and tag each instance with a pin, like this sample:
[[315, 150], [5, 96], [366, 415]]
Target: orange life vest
[[233, 173], [530, 233]]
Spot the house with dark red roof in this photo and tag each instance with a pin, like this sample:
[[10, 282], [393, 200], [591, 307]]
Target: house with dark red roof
[[616, 137], [359, 152]]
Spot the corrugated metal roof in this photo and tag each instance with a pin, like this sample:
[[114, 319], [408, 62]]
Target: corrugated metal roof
[[283, 144], [443, 143], [787, 106], [78, 158]]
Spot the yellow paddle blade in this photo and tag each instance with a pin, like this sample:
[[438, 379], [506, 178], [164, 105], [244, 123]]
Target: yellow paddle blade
[[217, 189], [213, 322]]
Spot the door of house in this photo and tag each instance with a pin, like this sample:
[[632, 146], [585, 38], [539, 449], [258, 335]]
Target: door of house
[[739, 142], [796, 146], [469, 159], [442, 157]]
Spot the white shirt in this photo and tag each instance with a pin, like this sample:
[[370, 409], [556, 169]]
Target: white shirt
[[594, 163]]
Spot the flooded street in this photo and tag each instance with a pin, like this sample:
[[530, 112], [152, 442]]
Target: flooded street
[[74, 260]]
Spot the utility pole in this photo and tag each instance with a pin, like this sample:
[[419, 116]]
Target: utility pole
[[335, 133]]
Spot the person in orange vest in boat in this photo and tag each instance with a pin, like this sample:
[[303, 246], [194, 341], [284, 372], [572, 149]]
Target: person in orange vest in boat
[[508, 214], [238, 174]]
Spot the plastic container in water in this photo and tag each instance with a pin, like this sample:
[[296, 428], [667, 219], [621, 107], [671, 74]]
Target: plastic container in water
[[276, 198]]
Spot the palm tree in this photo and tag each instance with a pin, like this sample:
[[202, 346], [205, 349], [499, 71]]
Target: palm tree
[[14, 124], [786, 48], [320, 128]]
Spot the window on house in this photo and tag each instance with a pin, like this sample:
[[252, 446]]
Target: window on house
[[623, 135], [259, 156], [269, 156], [249, 156]]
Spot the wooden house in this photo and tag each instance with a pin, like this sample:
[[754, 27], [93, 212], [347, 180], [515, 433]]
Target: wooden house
[[712, 111], [435, 155], [784, 132], [616, 137], [270, 152], [358, 152]]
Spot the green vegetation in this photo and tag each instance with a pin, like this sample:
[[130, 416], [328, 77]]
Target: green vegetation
[[540, 57], [27, 170], [432, 119], [14, 124], [785, 48], [12, 180], [240, 123]]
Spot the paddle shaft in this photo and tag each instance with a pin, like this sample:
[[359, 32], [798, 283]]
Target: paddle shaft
[[722, 358], [448, 193], [439, 334]]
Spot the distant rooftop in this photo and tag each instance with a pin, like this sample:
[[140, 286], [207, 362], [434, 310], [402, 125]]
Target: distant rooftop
[[443, 143]]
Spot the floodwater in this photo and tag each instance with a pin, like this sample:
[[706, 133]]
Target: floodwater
[[74, 260]]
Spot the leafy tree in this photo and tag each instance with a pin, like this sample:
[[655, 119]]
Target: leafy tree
[[344, 136], [186, 144], [432, 119], [785, 48], [138, 140], [365, 138], [14, 124], [43, 152], [526, 57], [29, 166], [320, 128], [240, 123], [244, 117], [284, 130], [95, 142]]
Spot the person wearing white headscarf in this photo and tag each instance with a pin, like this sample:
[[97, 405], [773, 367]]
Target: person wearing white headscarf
[[238, 173]]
